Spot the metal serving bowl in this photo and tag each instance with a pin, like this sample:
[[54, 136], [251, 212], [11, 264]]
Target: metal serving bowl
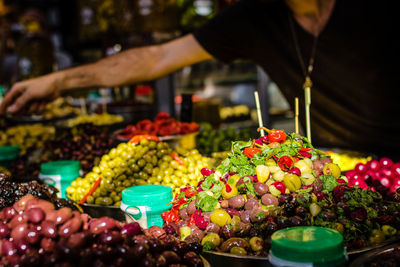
[[231, 260], [97, 211], [374, 255]]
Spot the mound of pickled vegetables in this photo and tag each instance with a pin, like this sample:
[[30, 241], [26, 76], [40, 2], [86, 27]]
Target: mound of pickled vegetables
[[130, 164], [33, 233], [274, 182]]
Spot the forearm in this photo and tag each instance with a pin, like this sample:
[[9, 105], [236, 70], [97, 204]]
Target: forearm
[[127, 67], [134, 65]]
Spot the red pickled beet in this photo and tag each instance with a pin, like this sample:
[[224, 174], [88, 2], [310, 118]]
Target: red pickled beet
[[372, 174], [387, 173], [394, 187], [360, 168], [373, 165], [396, 181], [396, 168], [365, 176], [295, 170], [386, 163], [350, 174], [280, 186], [206, 172], [360, 183], [385, 182]]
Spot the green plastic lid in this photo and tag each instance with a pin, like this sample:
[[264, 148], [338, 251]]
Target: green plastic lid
[[61, 167], [9, 152], [147, 195], [308, 244]]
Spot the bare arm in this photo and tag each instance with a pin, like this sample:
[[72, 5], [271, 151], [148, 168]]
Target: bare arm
[[134, 65]]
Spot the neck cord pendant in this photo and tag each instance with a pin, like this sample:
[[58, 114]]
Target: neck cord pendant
[[307, 73]]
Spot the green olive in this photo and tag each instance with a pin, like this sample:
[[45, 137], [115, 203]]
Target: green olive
[[90, 200], [116, 198], [147, 158], [107, 201], [144, 142], [160, 145], [167, 158], [238, 251], [152, 145], [126, 183], [98, 201], [141, 163], [148, 168]]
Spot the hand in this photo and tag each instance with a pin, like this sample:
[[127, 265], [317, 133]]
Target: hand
[[27, 91]]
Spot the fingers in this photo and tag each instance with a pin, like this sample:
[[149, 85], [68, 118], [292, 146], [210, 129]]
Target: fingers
[[33, 107], [20, 102], [16, 90]]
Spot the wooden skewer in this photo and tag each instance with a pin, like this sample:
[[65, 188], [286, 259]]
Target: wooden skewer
[[259, 116], [307, 100], [103, 100], [83, 106], [118, 93], [296, 115]]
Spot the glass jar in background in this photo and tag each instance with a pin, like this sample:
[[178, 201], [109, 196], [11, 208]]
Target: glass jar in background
[[115, 16], [35, 49], [156, 15], [88, 27], [194, 13]]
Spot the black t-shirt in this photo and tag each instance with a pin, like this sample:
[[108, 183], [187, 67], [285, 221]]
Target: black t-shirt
[[355, 96]]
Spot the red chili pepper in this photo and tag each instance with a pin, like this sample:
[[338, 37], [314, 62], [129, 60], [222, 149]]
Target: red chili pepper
[[91, 191], [276, 136], [285, 163], [250, 152], [305, 154], [280, 186], [177, 158], [170, 216], [137, 138], [191, 220], [176, 205], [306, 149], [190, 192], [228, 188]]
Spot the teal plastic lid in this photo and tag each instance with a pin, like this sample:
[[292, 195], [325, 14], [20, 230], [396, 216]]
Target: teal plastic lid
[[9, 152], [308, 244], [147, 195], [61, 167]]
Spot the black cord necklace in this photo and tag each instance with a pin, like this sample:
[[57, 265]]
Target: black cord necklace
[[307, 73]]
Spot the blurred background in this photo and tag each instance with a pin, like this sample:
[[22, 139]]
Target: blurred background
[[41, 36]]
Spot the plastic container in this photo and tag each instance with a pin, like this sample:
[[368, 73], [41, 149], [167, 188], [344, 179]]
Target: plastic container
[[7, 154], [145, 203], [307, 246], [60, 174]]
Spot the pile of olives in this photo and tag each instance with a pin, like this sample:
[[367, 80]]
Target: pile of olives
[[127, 165], [95, 119], [26, 136]]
